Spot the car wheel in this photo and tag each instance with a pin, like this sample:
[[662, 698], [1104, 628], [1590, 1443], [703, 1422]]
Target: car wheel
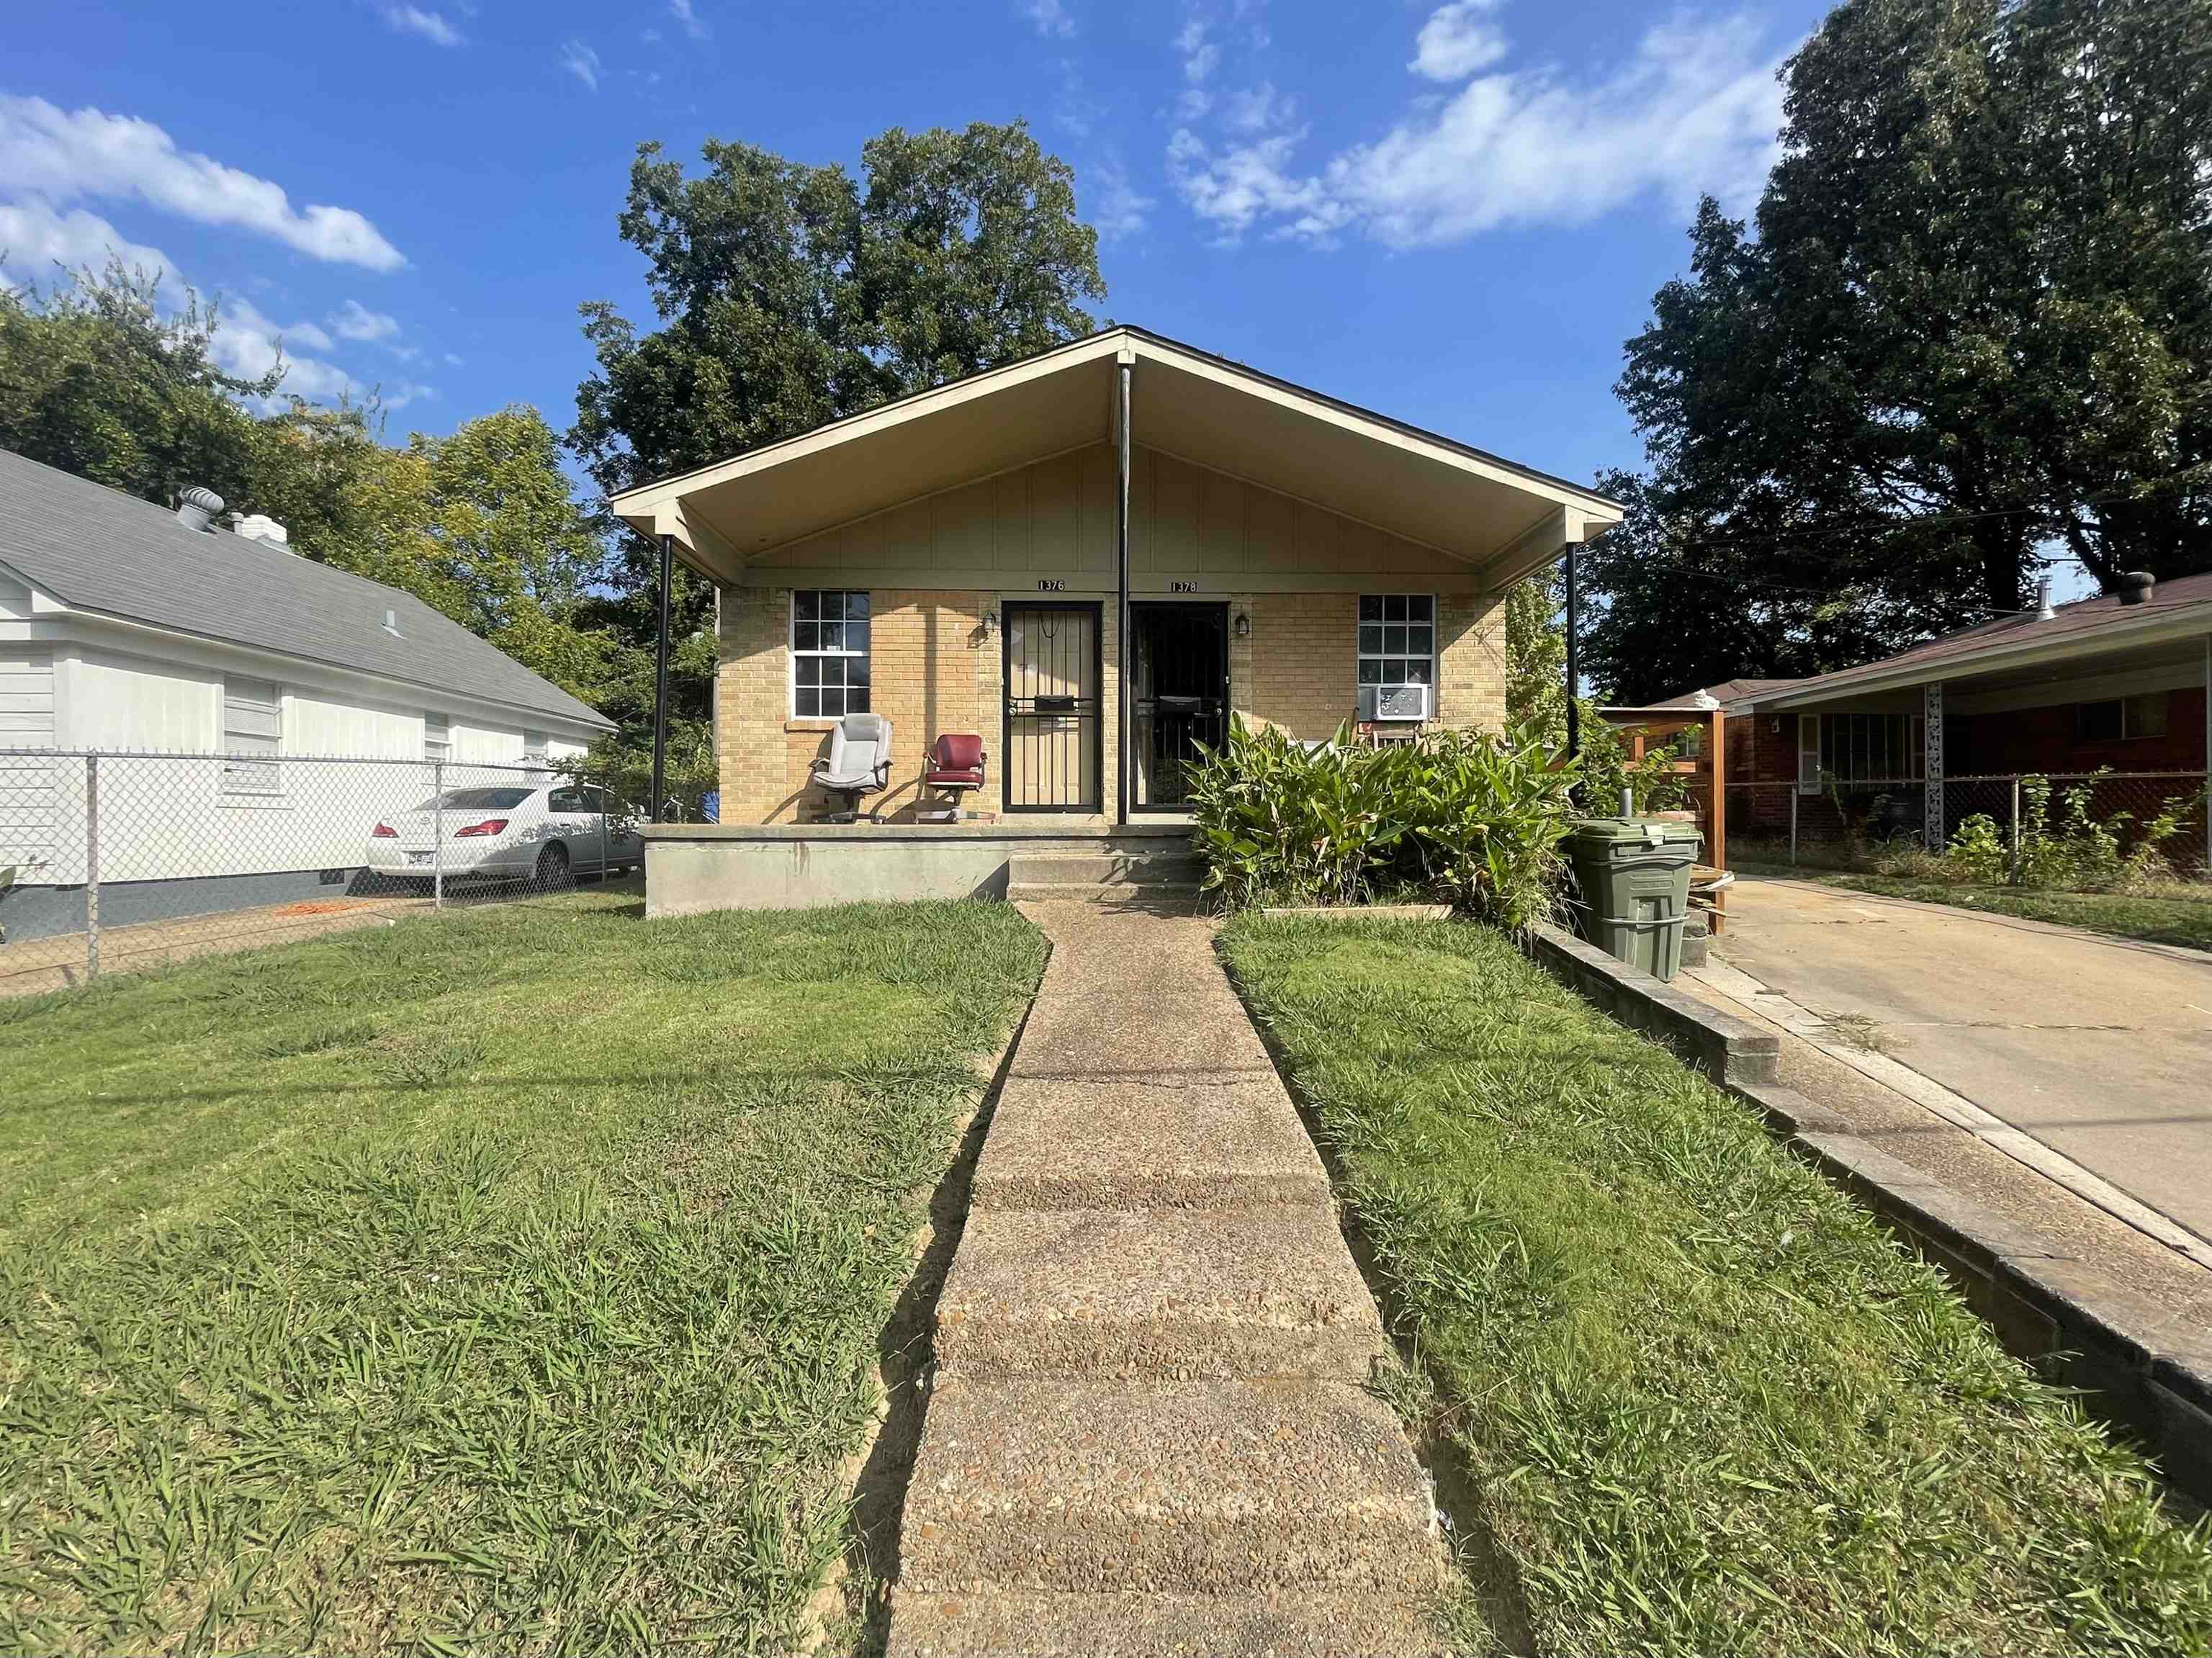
[[553, 873]]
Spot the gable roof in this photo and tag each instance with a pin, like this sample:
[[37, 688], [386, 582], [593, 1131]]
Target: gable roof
[[2175, 609], [1727, 691], [1453, 498], [97, 549]]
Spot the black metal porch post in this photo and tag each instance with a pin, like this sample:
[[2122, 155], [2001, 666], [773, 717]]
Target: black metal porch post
[[1574, 653], [660, 685], [1122, 586]]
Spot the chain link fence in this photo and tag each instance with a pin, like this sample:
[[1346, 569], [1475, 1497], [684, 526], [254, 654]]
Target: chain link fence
[[119, 861], [1848, 825]]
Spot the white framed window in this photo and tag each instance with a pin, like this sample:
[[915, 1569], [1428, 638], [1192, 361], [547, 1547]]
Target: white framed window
[[829, 653], [533, 748], [1397, 647], [253, 725], [437, 736]]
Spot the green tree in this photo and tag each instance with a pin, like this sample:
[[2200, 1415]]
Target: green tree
[[789, 295], [1971, 329], [96, 378]]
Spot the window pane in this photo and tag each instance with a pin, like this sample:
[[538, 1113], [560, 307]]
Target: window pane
[[1393, 607], [809, 703], [805, 636], [856, 636], [809, 605], [856, 607], [1370, 638], [1419, 640], [856, 670], [2146, 714], [1393, 671], [1393, 639], [833, 635], [809, 671], [856, 699], [1370, 608], [1370, 671], [1417, 673], [1418, 607]]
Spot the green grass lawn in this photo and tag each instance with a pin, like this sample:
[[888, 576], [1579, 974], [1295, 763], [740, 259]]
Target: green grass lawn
[[1708, 1406], [508, 1280], [2175, 914]]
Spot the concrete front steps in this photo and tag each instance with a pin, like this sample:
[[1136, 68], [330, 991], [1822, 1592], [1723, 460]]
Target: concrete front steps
[[1149, 1432], [1152, 879]]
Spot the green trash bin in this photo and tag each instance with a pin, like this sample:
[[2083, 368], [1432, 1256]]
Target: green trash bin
[[1635, 878]]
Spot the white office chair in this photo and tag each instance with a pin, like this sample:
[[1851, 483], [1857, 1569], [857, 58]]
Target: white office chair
[[858, 762]]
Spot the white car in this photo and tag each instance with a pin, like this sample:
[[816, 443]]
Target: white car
[[546, 833]]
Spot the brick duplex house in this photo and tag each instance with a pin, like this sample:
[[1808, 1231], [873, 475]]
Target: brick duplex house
[[960, 562]]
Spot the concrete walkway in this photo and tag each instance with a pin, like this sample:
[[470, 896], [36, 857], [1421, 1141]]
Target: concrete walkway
[[1149, 1433], [2099, 1048]]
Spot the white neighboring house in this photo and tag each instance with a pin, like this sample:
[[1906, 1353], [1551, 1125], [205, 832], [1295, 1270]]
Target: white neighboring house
[[126, 627]]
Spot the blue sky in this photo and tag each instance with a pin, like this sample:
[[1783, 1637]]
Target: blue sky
[[1452, 213]]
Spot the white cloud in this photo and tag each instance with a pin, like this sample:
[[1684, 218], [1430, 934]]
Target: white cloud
[[1050, 17], [1455, 41], [430, 25], [682, 11], [35, 237], [61, 155], [1695, 107], [451, 360], [1202, 54], [1116, 207], [248, 345], [581, 61], [1258, 109], [355, 321]]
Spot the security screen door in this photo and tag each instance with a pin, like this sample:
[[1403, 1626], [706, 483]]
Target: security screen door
[[1052, 717]]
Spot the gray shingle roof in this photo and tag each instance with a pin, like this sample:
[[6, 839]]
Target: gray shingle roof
[[96, 549]]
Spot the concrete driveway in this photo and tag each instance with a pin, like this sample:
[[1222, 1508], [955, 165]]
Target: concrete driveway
[[2100, 1048]]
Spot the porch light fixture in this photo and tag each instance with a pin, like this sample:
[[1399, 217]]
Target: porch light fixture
[[1243, 625], [989, 623]]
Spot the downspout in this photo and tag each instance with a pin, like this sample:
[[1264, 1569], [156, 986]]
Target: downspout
[[660, 686], [1124, 369]]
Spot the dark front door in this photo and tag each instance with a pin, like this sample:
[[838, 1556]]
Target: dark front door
[[1179, 695]]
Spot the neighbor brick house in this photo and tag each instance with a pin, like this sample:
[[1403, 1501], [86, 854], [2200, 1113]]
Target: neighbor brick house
[[2117, 683], [961, 561]]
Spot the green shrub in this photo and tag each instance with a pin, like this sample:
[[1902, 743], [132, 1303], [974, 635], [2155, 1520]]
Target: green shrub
[[2078, 852], [1470, 818]]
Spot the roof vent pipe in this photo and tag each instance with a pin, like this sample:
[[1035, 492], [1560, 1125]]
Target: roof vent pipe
[[2135, 587], [2042, 610], [197, 507], [391, 624]]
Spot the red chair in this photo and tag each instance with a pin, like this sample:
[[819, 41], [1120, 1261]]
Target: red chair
[[954, 768]]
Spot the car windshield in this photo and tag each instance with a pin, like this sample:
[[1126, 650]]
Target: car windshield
[[476, 800]]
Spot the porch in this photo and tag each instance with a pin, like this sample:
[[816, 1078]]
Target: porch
[[691, 868]]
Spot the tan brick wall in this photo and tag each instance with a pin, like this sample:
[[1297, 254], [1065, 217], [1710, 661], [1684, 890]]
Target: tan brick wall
[[933, 671], [1299, 669]]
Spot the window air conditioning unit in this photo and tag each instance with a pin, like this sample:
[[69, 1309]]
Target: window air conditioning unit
[[1385, 703]]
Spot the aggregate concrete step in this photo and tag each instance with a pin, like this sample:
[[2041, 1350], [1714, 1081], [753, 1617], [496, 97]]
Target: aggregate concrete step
[[1152, 894], [1213, 1142], [1104, 869], [1164, 1487], [1012, 1623], [1268, 1292]]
